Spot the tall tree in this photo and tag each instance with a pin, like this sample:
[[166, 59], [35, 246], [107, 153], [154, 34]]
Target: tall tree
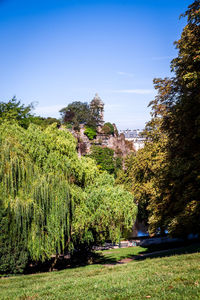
[[15, 110], [179, 205], [143, 172], [77, 113], [165, 175]]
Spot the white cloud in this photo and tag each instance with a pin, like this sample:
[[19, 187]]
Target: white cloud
[[125, 74], [135, 91]]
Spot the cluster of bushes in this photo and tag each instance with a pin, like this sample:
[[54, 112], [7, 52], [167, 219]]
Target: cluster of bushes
[[106, 160]]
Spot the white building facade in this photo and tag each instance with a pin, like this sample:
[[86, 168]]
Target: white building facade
[[135, 137]]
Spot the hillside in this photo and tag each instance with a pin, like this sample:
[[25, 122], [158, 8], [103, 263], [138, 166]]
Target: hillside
[[175, 277]]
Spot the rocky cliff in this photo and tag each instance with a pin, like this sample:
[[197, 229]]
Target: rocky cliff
[[116, 142]]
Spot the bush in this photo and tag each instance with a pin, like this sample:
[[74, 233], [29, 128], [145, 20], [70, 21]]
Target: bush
[[108, 128], [104, 157], [90, 132], [69, 126]]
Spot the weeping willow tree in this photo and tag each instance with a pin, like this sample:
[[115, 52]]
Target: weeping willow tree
[[51, 201], [36, 206], [109, 209]]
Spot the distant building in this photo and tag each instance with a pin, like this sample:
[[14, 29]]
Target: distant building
[[135, 137], [97, 108]]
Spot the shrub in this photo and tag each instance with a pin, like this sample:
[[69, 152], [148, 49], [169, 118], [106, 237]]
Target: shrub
[[108, 128], [69, 126], [90, 132]]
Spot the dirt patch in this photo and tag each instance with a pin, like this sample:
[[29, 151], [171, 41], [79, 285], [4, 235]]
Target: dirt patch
[[119, 262], [125, 260]]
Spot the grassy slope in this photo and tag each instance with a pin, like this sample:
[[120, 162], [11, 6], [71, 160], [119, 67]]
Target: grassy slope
[[174, 277]]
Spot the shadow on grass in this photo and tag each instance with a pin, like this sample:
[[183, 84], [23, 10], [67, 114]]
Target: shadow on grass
[[152, 251], [110, 257]]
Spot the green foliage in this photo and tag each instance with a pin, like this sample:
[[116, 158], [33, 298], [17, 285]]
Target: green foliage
[[105, 159], [13, 254], [164, 176], [109, 210], [14, 110], [77, 113], [69, 126], [143, 171], [108, 128], [90, 132], [46, 194], [44, 122], [118, 164], [34, 193], [179, 205]]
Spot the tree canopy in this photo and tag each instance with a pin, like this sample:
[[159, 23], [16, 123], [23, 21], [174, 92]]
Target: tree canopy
[[108, 128], [164, 176], [181, 125], [14, 110], [105, 159], [77, 113], [52, 201]]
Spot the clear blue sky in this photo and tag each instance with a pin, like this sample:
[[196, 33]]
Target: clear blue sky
[[54, 52]]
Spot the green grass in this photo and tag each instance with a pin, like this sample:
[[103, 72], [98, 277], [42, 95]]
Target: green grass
[[113, 255], [173, 277]]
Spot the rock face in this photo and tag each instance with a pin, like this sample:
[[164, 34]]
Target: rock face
[[84, 144], [120, 146], [116, 142]]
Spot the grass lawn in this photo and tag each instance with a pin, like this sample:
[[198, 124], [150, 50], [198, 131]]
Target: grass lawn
[[168, 277]]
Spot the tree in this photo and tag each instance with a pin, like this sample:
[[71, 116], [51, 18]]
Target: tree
[[176, 207], [105, 213], [77, 113], [182, 127], [45, 122], [14, 110], [48, 195], [108, 128], [105, 159], [143, 171], [165, 174]]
